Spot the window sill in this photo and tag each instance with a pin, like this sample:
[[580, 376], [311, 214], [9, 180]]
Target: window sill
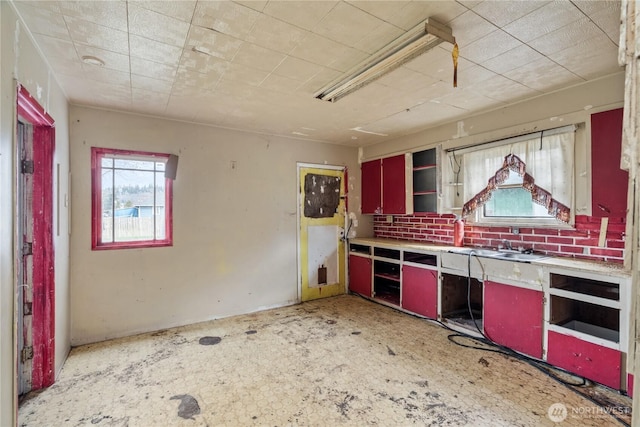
[[132, 245]]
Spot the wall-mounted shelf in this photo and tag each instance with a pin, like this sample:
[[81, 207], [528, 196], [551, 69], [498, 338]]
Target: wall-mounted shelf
[[425, 181]]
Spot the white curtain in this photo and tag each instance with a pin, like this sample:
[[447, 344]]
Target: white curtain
[[549, 160]]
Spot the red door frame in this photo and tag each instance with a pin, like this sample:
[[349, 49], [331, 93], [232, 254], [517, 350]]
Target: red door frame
[[43, 314]]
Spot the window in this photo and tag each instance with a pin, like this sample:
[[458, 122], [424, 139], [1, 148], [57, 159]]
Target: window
[[131, 199], [511, 200], [527, 180]]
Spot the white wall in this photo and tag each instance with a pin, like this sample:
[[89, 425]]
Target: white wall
[[560, 108], [19, 60], [234, 229]]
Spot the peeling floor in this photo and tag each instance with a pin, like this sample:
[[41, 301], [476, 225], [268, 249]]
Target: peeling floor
[[337, 361]]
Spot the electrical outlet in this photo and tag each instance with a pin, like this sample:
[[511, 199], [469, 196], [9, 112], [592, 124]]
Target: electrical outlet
[[390, 219]]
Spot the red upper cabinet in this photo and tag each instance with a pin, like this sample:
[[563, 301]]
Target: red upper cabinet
[[372, 187], [608, 182], [385, 186]]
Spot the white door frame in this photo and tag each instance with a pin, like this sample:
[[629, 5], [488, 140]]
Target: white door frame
[[300, 165]]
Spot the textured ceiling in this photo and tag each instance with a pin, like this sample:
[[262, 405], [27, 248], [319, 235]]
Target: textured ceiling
[[256, 65]]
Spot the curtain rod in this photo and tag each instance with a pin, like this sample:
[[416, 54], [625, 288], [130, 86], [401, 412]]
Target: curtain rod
[[513, 139]]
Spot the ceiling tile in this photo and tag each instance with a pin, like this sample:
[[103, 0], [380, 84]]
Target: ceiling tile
[[379, 37], [501, 13], [277, 35], [347, 24], [489, 47], [203, 63], [544, 20], [469, 101], [328, 53], [590, 7], [416, 12], [280, 84], [212, 43], [470, 75], [318, 81], [258, 5], [380, 9], [154, 51], [565, 37], [112, 60], [88, 33], [608, 19], [512, 59], [185, 107], [189, 82], [182, 10], [42, 20], [155, 70], [112, 14], [65, 67], [226, 17], [106, 76], [405, 79], [504, 89], [57, 48], [140, 95], [303, 14], [543, 75], [258, 57], [469, 27], [297, 69], [150, 84], [437, 63], [156, 26], [592, 58], [247, 75]]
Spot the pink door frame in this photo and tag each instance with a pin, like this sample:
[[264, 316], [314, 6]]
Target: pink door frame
[[43, 314]]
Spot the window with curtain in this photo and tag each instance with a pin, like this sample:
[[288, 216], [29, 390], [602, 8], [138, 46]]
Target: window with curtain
[[529, 180]]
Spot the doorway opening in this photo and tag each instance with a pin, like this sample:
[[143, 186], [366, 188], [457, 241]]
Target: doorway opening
[[35, 278]]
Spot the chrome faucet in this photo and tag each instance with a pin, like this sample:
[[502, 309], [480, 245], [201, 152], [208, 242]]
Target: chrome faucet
[[507, 244]]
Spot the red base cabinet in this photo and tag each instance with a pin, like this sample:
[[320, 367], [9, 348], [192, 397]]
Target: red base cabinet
[[592, 361], [360, 275], [420, 291], [513, 317]]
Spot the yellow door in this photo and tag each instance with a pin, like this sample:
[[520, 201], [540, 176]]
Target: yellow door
[[322, 219]]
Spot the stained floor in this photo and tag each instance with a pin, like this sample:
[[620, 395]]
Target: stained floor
[[341, 361]]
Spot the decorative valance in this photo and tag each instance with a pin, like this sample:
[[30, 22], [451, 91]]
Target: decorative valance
[[538, 194]]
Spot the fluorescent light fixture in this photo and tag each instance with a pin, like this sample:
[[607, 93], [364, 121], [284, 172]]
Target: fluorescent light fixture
[[413, 43]]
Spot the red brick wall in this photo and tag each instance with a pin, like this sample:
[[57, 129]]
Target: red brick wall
[[581, 242]]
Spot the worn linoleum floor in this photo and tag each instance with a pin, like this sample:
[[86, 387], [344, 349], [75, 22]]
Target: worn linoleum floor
[[341, 361]]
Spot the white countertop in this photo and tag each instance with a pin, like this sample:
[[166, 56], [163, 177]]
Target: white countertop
[[607, 268]]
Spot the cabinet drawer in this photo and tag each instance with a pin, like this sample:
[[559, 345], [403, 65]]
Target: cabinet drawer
[[592, 361]]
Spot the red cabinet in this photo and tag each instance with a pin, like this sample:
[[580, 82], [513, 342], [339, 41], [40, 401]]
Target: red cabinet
[[598, 363], [360, 275], [372, 187], [420, 291], [384, 186], [608, 182], [513, 317]]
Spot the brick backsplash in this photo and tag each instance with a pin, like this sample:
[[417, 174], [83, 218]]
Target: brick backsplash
[[580, 242]]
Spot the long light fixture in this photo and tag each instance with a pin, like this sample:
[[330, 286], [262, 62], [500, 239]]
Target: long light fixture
[[413, 43]]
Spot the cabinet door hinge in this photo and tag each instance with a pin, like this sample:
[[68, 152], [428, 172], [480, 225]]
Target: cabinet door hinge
[[27, 166], [27, 249], [26, 354], [27, 308]]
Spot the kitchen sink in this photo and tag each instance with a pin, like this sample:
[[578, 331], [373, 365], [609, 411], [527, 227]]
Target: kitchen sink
[[500, 254]]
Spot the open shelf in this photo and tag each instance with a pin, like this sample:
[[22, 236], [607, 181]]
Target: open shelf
[[584, 286], [386, 253], [591, 319], [419, 258], [455, 307], [425, 181], [386, 281], [360, 249]]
